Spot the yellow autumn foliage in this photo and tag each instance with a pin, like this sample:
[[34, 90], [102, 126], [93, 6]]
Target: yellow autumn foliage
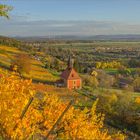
[[43, 113], [137, 100]]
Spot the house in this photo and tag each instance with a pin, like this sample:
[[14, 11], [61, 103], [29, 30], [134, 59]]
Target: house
[[70, 77], [124, 83]]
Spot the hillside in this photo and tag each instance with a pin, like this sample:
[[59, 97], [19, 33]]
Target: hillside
[[43, 65], [37, 72], [9, 41]]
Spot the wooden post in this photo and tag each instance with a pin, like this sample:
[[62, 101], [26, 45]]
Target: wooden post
[[59, 119], [24, 111], [26, 108]]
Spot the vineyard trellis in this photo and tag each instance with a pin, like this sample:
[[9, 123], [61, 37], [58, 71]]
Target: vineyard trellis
[[24, 111], [59, 119]]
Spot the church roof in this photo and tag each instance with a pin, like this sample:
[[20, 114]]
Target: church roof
[[70, 74]]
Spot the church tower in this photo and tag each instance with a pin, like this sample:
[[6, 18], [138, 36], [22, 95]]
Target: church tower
[[70, 62], [70, 77]]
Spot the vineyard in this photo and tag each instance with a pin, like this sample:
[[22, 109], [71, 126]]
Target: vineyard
[[18, 121], [37, 72]]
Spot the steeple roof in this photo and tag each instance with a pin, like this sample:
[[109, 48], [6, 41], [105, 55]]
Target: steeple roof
[[70, 74]]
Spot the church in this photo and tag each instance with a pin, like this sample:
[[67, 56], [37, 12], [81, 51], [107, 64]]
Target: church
[[70, 77]]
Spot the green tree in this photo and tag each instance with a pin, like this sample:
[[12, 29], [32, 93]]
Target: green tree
[[4, 10], [76, 65], [105, 80], [48, 62], [56, 64], [136, 84], [90, 81]]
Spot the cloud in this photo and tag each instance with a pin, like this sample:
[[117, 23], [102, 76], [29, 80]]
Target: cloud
[[22, 26]]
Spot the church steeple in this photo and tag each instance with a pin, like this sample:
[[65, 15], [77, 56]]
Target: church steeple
[[70, 62], [70, 77]]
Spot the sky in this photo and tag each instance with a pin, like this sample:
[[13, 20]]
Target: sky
[[71, 17]]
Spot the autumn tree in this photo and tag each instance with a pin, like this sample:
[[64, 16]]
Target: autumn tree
[[23, 63], [104, 65], [137, 100]]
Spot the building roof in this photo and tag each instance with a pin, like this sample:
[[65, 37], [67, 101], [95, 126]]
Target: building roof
[[70, 74], [124, 81]]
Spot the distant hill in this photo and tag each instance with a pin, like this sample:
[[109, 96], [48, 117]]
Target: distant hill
[[70, 37], [15, 41]]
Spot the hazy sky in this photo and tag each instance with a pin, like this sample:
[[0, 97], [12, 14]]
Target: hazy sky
[[71, 17]]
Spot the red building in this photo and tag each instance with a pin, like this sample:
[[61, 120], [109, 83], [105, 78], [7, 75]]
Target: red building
[[70, 77]]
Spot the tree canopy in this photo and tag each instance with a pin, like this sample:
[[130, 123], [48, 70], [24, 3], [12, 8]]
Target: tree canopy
[[4, 10]]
